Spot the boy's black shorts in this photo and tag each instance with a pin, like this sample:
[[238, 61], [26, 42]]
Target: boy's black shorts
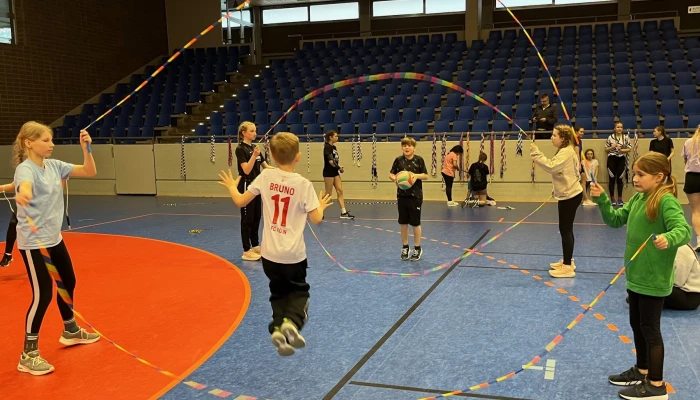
[[409, 210]]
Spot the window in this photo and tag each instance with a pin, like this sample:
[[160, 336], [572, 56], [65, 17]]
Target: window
[[396, 7], [445, 6], [557, 2], [523, 3], [244, 15], [6, 22], [335, 12], [285, 15]]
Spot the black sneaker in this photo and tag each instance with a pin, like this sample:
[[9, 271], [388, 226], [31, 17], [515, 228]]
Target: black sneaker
[[404, 253], [489, 198], [346, 215], [644, 391], [6, 260], [628, 378], [415, 255]]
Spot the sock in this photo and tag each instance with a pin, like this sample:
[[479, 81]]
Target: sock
[[31, 342], [405, 246], [71, 326], [343, 211], [416, 247]]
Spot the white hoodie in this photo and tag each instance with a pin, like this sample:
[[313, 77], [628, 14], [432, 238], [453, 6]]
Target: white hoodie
[[565, 169]]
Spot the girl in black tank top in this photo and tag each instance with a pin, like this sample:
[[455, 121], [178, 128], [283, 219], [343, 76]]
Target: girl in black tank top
[[332, 171]]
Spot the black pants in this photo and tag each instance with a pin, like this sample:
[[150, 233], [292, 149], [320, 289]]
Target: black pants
[[682, 300], [449, 180], [567, 214], [11, 237], [645, 319], [250, 223], [616, 170], [42, 284], [289, 292]]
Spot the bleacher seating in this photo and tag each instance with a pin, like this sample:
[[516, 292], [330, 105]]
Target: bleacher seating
[[640, 73], [182, 82]]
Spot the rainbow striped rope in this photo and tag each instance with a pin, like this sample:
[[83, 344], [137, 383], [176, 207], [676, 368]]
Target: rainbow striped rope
[[61, 289], [555, 341], [162, 67], [385, 76], [544, 64], [427, 271]]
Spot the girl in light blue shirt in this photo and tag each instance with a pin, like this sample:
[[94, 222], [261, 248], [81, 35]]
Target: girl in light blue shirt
[[38, 184]]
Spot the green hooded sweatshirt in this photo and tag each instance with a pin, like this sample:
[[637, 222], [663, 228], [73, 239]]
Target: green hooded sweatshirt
[[651, 273]]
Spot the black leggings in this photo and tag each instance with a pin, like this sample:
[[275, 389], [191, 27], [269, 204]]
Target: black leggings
[[567, 214], [448, 185], [682, 300], [11, 237], [250, 223], [645, 320], [42, 284], [616, 170]]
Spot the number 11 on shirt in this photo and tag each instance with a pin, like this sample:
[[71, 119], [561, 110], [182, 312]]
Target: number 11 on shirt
[[285, 201]]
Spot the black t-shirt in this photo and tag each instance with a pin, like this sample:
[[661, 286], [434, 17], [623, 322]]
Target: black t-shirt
[[662, 146], [243, 153], [330, 153], [415, 165], [478, 173]]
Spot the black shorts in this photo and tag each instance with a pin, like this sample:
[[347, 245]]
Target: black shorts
[[409, 210], [330, 173], [692, 183]]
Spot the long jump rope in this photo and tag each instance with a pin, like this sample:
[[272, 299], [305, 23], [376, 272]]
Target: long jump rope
[[66, 297]]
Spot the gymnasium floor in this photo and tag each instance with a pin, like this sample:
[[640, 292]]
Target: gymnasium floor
[[195, 313]]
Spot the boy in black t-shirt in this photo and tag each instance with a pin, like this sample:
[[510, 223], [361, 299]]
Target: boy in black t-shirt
[[249, 162], [410, 201]]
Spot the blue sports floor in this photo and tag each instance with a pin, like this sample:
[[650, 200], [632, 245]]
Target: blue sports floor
[[388, 337]]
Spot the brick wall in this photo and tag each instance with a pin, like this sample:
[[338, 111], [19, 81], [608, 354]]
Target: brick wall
[[68, 51]]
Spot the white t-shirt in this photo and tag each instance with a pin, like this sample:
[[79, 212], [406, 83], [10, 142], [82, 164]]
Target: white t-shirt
[[589, 167], [287, 198]]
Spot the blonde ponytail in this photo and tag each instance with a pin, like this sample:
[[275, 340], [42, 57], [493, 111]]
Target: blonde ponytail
[[30, 131]]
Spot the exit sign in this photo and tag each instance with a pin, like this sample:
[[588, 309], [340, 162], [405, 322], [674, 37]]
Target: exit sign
[[694, 10]]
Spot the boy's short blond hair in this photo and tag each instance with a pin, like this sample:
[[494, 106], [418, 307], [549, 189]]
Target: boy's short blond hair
[[284, 147], [408, 141]]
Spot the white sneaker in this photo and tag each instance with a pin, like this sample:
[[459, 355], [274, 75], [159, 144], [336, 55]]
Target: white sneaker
[[280, 342], [290, 331], [251, 255], [452, 204], [491, 202], [560, 263]]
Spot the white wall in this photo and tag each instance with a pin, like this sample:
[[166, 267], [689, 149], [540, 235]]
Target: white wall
[[202, 174]]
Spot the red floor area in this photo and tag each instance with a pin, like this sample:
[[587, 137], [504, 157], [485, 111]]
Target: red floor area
[[169, 304]]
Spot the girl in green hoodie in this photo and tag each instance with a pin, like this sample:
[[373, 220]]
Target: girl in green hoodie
[[654, 209]]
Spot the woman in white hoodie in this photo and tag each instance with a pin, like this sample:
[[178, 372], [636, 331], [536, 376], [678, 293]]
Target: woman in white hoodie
[[686, 287], [564, 167]]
